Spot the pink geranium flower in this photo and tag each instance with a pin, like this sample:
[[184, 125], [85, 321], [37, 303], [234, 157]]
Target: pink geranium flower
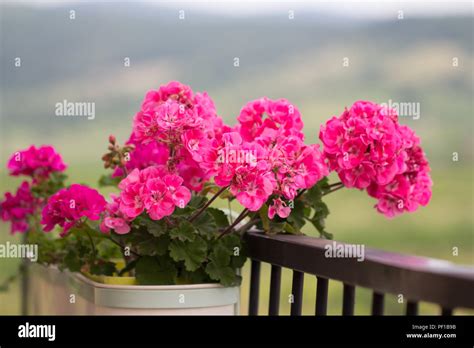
[[17, 208], [278, 207], [153, 190], [66, 207], [370, 150], [186, 124], [114, 219], [38, 163], [144, 156], [283, 119]]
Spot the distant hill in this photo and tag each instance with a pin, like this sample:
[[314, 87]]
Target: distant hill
[[82, 60]]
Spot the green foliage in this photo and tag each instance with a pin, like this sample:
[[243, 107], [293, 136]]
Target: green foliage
[[206, 225], [156, 270], [313, 198], [188, 252], [307, 207], [219, 217], [108, 180], [193, 253], [46, 188], [185, 247], [227, 255], [185, 231]]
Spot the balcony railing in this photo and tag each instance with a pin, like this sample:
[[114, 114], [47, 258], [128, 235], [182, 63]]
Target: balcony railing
[[417, 278]]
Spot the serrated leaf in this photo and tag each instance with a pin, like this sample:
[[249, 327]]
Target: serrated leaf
[[296, 217], [225, 275], [158, 270], [155, 228], [220, 255], [206, 225], [153, 246], [192, 253], [219, 217], [184, 232], [235, 248]]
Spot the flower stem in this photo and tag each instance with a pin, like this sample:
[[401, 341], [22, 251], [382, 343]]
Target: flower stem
[[335, 184], [122, 247], [200, 211], [92, 243], [333, 190], [242, 216], [300, 193]]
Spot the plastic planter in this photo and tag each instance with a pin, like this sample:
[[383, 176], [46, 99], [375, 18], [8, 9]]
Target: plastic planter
[[52, 292]]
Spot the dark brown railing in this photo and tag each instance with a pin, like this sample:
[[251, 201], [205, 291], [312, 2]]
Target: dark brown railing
[[416, 278]]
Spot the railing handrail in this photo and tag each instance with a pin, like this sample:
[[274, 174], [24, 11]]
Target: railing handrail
[[417, 278]]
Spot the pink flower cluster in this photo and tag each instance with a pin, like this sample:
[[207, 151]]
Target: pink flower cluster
[[38, 163], [67, 206], [370, 150], [114, 218], [153, 190], [16, 208], [144, 156], [185, 123], [283, 120], [409, 190], [269, 158]]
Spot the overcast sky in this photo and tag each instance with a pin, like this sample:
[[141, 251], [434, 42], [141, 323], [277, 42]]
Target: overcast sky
[[380, 9]]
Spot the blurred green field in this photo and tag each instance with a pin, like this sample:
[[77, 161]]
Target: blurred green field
[[404, 61]]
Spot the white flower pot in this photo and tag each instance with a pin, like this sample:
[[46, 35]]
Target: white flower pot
[[52, 292]]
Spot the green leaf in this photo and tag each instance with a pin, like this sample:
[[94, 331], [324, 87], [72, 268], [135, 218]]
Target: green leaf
[[313, 198], [184, 232], [192, 253], [290, 229], [276, 226], [108, 180], [220, 255], [321, 211], [225, 275], [219, 217], [197, 201], [206, 225], [72, 261], [264, 218], [155, 228], [197, 277], [103, 268], [153, 246], [296, 217], [107, 250], [229, 251], [158, 270], [48, 187]]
